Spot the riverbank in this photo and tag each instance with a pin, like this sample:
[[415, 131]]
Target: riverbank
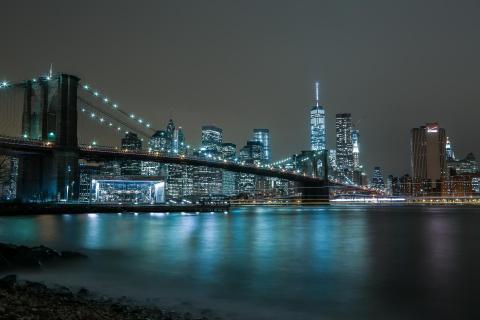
[[73, 208], [33, 300]]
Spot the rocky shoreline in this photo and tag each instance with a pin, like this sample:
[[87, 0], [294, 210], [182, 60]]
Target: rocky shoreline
[[32, 300], [27, 300]]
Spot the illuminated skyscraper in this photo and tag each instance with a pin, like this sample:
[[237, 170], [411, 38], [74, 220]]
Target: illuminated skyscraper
[[131, 142], [317, 123], [345, 163], [263, 136], [229, 151], [212, 139], [449, 150], [377, 179], [356, 148], [428, 151], [158, 142]]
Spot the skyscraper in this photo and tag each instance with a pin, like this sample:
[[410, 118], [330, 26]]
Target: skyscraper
[[428, 149], [377, 179], [263, 136], [356, 148], [345, 163], [158, 142], [212, 139], [317, 123], [131, 142], [449, 150]]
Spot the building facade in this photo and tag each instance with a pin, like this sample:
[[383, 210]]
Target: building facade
[[263, 136], [317, 123], [344, 152], [428, 152]]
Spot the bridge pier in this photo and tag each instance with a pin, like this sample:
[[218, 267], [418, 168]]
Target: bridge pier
[[314, 192], [50, 115]]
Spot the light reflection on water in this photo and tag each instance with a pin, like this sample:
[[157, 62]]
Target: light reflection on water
[[284, 262]]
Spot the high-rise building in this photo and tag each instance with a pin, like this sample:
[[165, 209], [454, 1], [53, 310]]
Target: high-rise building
[[377, 179], [356, 148], [212, 139], [449, 150], [263, 136], [252, 153], [317, 123], [344, 154], [158, 142], [170, 133], [229, 151], [180, 145], [87, 172], [428, 148], [131, 142]]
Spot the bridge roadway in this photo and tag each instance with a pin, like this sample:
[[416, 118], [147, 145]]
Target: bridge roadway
[[19, 146]]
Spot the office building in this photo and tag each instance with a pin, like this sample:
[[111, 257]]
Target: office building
[[377, 179], [428, 152], [131, 142], [344, 152], [317, 123], [263, 136], [212, 139]]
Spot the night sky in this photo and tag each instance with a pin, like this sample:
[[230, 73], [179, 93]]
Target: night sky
[[393, 64]]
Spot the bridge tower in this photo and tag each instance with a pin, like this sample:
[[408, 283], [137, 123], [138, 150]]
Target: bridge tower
[[50, 115]]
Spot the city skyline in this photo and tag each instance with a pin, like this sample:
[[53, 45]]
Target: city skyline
[[390, 85]]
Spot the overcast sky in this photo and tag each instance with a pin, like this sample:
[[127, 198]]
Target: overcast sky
[[240, 65]]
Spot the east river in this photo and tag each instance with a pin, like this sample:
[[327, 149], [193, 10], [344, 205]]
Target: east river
[[329, 262]]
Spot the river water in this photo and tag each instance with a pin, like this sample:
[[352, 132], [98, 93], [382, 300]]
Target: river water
[[329, 262]]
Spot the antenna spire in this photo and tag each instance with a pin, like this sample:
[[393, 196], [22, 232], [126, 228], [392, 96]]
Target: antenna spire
[[51, 70], [317, 93]]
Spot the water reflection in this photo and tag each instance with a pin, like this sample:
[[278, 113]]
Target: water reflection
[[331, 261]]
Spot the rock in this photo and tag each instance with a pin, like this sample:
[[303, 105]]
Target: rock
[[72, 255], [83, 292], [13, 256], [4, 263], [62, 291], [36, 287], [8, 281]]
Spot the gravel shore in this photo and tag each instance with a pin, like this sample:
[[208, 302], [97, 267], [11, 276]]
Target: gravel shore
[[35, 301]]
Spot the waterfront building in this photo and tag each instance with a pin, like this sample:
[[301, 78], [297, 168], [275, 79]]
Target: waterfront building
[[179, 182], [263, 136], [317, 123], [207, 181], [344, 154], [377, 179], [428, 149], [128, 189], [87, 172], [8, 177]]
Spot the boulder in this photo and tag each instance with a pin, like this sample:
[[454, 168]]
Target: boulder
[[8, 281]]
